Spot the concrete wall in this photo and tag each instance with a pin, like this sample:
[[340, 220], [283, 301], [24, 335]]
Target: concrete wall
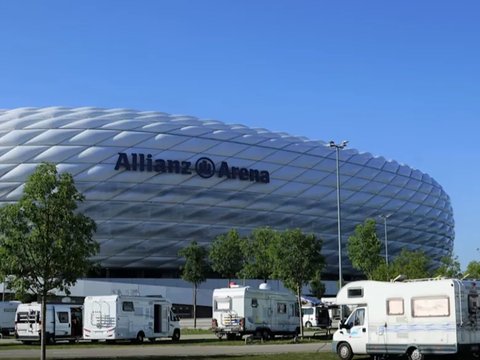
[[176, 290]]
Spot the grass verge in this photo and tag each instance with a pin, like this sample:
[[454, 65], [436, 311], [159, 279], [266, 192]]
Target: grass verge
[[290, 356], [193, 342]]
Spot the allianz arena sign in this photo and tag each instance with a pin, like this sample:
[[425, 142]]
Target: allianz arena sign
[[204, 167]]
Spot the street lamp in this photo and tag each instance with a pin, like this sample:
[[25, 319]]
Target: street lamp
[[385, 217], [337, 148]]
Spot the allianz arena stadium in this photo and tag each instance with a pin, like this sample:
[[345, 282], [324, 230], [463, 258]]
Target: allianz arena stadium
[[154, 181]]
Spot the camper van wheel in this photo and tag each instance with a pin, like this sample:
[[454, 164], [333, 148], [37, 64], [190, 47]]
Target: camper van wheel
[[415, 354], [176, 335], [266, 335], [140, 337], [308, 324], [26, 342], [345, 352]]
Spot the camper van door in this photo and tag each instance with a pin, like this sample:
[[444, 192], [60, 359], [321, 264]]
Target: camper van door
[[62, 319], [357, 331]]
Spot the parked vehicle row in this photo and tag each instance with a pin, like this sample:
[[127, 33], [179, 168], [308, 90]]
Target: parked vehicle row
[[109, 318]]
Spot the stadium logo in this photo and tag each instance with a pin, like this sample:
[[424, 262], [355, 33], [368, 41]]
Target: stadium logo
[[204, 167]]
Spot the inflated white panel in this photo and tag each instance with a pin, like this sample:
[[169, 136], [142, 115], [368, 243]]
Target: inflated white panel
[[146, 215]]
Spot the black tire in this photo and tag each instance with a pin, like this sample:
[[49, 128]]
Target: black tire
[[344, 351], [26, 342], [266, 335], [415, 354], [176, 335], [140, 337], [308, 324]]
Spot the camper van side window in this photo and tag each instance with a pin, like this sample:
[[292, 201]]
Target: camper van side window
[[473, 304], [62, 317], [431, 307], [128, 306], [355, 293], [254, 303], [297, 310], [281, 308], [395, 307]]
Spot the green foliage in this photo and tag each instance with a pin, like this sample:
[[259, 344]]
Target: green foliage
[[259, 254], [364, 248], [473, 269], [196, 268], [45, 244], [450, 267], [297, 260], [226, 254], [413, 264], [317, 287]]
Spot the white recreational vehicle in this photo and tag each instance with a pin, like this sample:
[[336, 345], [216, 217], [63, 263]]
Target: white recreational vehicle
[[241, 310], [414, 318], [64, 322], [7, 316], [129, 317]]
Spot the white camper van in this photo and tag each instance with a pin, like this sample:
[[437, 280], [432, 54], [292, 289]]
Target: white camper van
[[129, 317], [417, 318], [7, 316], [241, 310], [64, 322], [316, 317]]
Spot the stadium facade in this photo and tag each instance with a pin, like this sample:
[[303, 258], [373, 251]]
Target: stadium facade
[[155, 181]]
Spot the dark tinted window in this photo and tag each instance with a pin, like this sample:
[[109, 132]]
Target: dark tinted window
[[127, 306], [354, 293]]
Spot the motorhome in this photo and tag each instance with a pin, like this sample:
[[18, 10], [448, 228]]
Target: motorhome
[[129, 317], [241, 310], [414, 318], [316, 316], [7, 316], [63, 322]]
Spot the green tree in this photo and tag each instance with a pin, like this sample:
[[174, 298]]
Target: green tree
[[195, 270], [364, 248], [473, 269], [257, 251], [226, 254], [45, 244], [297, 260], [450, 267], [412, 264], [317, 287]]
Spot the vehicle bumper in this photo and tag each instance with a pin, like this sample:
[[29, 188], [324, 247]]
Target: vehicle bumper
[[27, 337]]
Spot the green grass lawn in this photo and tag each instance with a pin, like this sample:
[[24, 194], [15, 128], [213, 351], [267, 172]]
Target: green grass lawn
[[164, 342], [290, 356]]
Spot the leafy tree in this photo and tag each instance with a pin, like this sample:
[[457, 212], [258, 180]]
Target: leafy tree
[[473, 269], [297, 260], [258, 252], [412, 264], [364, 248], [226, 254], [45, 244], [450, 267], [317, 287], [195, 270]]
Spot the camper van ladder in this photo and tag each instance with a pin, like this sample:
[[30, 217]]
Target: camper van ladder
[[98, 318]]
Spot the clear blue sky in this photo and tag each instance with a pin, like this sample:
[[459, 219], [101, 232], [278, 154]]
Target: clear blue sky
[[396, 78]]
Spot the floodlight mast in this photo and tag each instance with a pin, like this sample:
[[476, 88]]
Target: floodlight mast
[[337, 147], [385, 217]]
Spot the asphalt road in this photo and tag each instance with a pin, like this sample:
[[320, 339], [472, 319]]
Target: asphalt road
[[133, 351]]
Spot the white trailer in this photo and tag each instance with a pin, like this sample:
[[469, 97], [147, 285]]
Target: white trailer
[[7, 316], [63, 322], [414, 318], [125, 317], [241, 310]]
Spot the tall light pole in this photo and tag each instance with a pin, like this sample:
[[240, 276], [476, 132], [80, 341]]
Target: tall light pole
[[385, 217], [337, 148]]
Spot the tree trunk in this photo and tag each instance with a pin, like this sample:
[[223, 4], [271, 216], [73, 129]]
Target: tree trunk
[[43, 318], [195, 306], [299, 299]]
